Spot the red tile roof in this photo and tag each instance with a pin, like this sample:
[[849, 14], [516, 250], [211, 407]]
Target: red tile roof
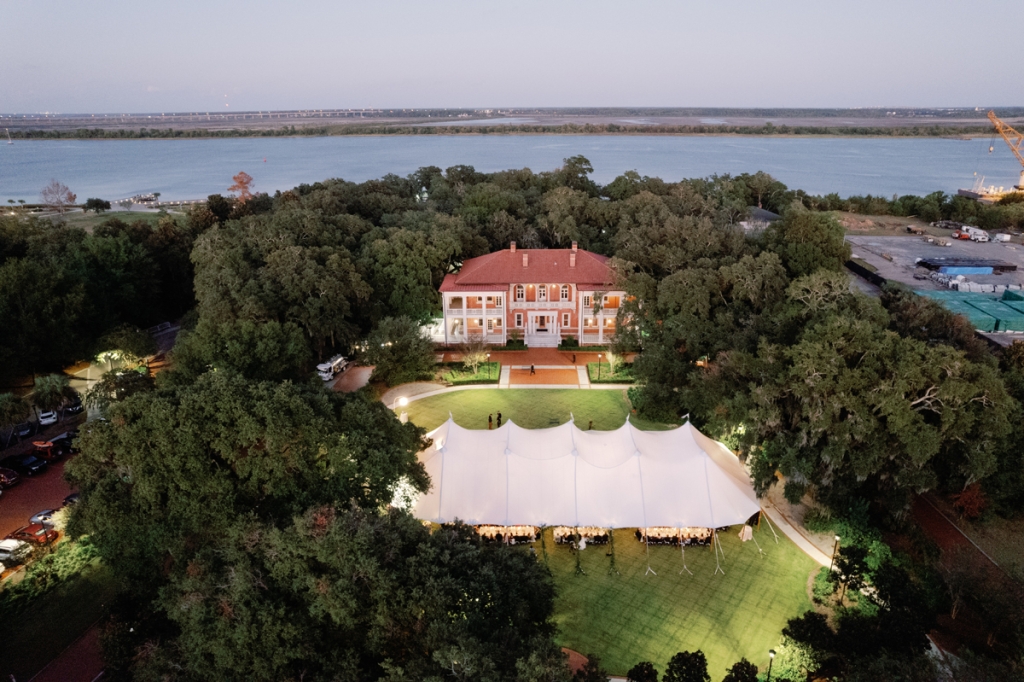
[[496, 271]]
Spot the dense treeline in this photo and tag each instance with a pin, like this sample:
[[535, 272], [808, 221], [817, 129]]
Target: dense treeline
[[63, 290], [501, 129], [1008, 213]]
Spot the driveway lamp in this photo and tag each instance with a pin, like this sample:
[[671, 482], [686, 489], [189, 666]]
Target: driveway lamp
[[488, 365], [401, 402], [598, 366], [834, 548], [771, 659]]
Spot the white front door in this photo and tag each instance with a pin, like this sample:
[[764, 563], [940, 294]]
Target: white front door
[[543, 323]]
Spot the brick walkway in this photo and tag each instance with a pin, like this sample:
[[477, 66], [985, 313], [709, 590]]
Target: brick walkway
[[80, 662], [522, 377]]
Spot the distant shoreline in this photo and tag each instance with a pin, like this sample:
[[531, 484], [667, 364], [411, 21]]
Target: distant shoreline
[[610, 130]]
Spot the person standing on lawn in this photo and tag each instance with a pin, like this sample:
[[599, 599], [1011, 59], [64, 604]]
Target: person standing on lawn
[[499, 420], [490, 421]]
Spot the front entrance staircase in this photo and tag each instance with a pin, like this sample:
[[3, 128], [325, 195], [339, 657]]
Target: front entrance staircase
[[542, 340]]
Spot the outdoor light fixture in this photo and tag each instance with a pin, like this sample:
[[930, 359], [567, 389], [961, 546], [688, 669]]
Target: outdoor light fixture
[[834, 548], [771, 659], [598, 366], [488, 365]]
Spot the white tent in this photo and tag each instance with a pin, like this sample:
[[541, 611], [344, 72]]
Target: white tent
[[625, 478]]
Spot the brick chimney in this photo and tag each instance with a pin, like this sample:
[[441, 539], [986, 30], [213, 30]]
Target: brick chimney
[[574, 247], [572, 258], [526, 260], [512, 247]]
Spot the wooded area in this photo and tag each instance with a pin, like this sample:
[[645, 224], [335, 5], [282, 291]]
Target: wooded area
[[260, 543]]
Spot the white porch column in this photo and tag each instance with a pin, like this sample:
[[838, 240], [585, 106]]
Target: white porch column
[[579, 315], [600, 328], [483, 299], [444, 316]]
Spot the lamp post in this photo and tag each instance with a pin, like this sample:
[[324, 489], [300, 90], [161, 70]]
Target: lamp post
[[598, 366], [771, 659], [488, 365], [402, 402], [834, 548]]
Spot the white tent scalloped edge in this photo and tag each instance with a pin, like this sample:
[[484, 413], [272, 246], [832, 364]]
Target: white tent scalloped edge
[[626, 478]]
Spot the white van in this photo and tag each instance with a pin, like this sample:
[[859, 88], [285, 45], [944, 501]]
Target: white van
[[328, 370]]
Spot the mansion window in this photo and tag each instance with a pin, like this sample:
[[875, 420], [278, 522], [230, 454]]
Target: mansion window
[[586, 301], [542, 292], [565, 319], [520, 292], [565, 292], [494, 301], [519, 319]]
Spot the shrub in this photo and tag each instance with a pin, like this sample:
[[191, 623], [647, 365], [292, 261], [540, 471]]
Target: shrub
[[823, 588]]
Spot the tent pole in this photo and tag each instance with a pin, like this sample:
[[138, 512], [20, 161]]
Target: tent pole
[[769, 522], [647, 543], [611, 541], [759, 550], [543, 544], [579, 567], [714, 541], [682, 549]]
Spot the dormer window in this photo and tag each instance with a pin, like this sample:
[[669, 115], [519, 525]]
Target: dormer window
[[565, 292], [520, 292]]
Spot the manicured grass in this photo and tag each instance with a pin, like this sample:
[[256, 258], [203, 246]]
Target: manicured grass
[[529, 408], [89, 221], [37, 635], [632, 617]]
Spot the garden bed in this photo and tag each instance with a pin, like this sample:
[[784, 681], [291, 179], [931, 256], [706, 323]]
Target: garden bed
[[623, 373], [487, 373]]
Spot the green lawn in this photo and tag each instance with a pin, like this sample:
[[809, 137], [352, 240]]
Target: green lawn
[[631, 617], [529, 408], [37, 635]]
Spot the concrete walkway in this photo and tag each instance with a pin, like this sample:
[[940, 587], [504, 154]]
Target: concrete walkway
[[793, 532]]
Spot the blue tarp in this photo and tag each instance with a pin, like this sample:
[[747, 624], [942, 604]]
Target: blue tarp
[[961, 270]]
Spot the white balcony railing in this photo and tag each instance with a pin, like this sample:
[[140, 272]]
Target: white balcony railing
[[476, 312], [543, 305]]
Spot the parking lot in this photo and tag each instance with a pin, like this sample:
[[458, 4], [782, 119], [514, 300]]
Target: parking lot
[[895, 257], [35, 493]]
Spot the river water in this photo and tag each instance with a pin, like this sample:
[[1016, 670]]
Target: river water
[[190, 169]]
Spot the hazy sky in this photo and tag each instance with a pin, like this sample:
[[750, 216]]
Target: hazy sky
[[117, 56]]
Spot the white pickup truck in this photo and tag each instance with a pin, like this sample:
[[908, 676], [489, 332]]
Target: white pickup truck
[[328, 370]]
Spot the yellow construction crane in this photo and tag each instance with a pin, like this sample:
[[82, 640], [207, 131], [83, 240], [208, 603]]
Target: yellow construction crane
[[1013, 140]]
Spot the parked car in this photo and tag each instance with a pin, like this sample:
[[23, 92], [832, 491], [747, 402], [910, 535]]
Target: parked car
[[44, 518], [13, 552], [45, 450], [65, 442], [36, 532], [8, 477], [47, 418], [25, 464], [75, 406], [71, 499], [25, 429]]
